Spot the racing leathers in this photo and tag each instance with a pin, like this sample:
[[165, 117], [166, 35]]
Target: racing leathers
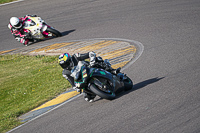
[[74, 62], [75, 59], [21, 35], [94, 62]]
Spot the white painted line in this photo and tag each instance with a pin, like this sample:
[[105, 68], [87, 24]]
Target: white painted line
[[11, 2], [139, 47]]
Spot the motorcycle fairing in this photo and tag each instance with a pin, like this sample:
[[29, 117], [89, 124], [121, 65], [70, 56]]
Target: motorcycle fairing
[[34, 25], [98, 72]]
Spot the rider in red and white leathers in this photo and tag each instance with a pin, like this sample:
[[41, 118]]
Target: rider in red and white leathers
[[16, 27]]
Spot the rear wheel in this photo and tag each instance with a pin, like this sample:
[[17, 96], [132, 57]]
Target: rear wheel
[[108, 96], [102, 88], [54, 32]]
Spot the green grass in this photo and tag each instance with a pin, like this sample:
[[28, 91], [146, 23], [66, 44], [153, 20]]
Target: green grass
[[25, 83], [6, 1]]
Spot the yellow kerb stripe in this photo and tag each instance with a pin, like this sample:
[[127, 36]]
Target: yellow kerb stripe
[[53, 46], [96, 46], [116, 53], [120, 64], [2, 52], [58, 100]]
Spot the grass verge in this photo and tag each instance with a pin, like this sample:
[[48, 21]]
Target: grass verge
[[25, 83], [6, 1]]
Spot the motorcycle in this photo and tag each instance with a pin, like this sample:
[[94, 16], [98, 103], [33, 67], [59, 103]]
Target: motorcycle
[[97, 81], [39, 30]]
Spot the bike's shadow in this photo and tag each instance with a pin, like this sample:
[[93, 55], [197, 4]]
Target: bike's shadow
[[65, 33], [136, 87]]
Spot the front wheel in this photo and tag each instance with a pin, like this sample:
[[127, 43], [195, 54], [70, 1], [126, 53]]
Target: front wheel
[[54, 32], [128, 83]]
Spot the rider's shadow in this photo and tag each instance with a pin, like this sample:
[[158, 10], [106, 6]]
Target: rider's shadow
[[136, 87]]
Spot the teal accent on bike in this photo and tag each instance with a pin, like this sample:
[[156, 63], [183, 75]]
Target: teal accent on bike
[[78, 82], [92, 73], [103, 73]]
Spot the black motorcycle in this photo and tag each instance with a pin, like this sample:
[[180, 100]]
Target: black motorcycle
[[97, 81]]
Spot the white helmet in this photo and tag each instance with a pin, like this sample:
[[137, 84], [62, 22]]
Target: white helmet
[[14, 21]]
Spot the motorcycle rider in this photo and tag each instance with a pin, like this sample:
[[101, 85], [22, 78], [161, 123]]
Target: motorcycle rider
[[16, 27], [68, 62]]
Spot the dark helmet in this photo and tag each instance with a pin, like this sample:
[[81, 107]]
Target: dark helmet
[[64, 60]]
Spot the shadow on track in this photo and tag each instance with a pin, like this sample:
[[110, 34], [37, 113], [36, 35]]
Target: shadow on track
[[145, 83], [65, 33], [140, 85], [135, 87]]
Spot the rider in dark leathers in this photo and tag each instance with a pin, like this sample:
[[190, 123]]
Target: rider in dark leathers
[[68, 62]]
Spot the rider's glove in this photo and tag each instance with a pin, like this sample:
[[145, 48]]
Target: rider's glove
[[27, 35], [92, 56], [18, 39]]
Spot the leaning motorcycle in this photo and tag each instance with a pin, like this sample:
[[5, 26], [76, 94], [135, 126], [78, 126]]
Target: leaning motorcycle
[[97, 81], [39, 29]]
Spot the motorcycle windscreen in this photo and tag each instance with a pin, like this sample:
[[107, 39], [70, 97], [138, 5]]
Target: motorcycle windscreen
[[29, 23]]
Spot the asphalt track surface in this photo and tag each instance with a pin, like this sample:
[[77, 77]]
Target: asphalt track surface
[[166, 76]]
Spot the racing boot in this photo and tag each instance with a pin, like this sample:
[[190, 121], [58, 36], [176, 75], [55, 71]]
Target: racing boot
[[76, 89], [89, 97]]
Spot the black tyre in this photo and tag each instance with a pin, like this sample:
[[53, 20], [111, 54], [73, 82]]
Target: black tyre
[[105, 95], [128, 84], [54, 32]]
